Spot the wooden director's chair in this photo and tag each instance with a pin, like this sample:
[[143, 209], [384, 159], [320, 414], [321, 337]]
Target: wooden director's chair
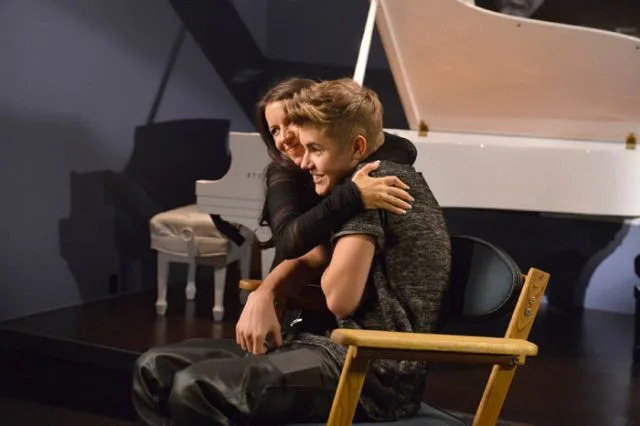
[[485, 283]]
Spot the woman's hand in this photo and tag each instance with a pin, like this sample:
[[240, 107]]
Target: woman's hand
[[387, 192]]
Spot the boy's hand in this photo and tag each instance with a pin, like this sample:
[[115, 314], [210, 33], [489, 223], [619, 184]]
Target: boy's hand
[[257, 320]]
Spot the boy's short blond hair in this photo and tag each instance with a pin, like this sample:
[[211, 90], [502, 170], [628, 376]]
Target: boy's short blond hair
[[341, 109]]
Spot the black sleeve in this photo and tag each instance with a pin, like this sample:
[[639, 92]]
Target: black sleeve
[[298, 222], [370, 222]]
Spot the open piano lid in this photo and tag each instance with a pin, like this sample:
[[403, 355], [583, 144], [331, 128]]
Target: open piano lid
[[460, 68]]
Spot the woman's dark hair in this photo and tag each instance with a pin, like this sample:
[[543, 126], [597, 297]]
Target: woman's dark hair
[[280, 92]]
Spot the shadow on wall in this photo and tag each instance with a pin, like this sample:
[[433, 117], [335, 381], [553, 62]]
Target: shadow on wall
[[70, 225], [37, 154], [110, 211], [86, 237]]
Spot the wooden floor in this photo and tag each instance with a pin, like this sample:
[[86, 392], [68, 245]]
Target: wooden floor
[[72, 366]]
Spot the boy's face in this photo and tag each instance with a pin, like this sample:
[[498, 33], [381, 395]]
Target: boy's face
[[325, 159]]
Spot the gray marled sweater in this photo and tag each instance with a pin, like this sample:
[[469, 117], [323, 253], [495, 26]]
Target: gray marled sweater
[[407, 280]]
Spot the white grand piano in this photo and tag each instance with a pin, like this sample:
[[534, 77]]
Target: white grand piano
[[507, 114]]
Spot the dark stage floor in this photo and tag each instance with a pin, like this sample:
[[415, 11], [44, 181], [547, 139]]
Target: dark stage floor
[[72, 366]]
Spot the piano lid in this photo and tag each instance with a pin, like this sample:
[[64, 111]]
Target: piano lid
[[464, 69]]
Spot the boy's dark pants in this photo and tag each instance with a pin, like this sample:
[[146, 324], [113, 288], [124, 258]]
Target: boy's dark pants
[[213, 382]]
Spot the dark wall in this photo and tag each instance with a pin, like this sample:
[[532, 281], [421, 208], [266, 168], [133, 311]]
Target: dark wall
[[326, 32]]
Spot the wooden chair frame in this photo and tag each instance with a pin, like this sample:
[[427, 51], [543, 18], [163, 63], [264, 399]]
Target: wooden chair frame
[[505, 354]]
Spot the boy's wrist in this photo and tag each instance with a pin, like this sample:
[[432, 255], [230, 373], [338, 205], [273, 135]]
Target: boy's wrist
[[264, 291], [268, 297], [267, 293]]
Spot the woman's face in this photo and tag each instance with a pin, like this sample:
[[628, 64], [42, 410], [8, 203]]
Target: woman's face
[[285, 135]]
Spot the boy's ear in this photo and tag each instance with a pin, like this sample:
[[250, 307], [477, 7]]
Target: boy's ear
[[359, 147]]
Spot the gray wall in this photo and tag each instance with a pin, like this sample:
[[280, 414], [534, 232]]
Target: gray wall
[[77, 76]]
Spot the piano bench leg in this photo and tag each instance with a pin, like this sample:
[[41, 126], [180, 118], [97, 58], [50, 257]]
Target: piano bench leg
[[219, 265], [190, 290], [220, 279], [163, 275]]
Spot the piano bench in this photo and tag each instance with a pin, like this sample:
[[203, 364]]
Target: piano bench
[[186, 235]]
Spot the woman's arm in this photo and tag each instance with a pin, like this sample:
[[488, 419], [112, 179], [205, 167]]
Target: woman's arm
[[297, 220]]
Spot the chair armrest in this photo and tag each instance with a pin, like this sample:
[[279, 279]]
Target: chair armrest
[[250, 285], [375, 339]]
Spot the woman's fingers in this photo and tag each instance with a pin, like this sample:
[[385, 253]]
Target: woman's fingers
[[368, 168], [392, 208], [399, 193], [395, 181], [390, 198], [396, 201], [387, 192]]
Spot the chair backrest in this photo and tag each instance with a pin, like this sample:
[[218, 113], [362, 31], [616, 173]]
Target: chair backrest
[[485, 280]]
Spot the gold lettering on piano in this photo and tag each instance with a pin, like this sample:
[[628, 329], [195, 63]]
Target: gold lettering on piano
[[632, 141]]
